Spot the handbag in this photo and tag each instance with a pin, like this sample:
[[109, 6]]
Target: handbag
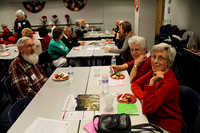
[[121, 123], [113, 123]]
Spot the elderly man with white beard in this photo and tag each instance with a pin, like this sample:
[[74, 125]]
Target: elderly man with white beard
[[25, 74]]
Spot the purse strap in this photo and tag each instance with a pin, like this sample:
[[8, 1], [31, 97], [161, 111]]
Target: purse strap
[[146, 127], [96, 116]]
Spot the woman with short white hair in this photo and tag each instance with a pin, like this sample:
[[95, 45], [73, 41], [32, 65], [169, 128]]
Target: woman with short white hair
[[141, 64], [5, 34], [20, 23], [158, 90]]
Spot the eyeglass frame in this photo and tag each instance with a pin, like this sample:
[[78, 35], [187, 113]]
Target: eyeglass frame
[[160, 58]]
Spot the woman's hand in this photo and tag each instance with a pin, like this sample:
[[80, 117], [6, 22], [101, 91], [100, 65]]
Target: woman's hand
[[157, 76], [114, 67], [107, 49], [141, 59]]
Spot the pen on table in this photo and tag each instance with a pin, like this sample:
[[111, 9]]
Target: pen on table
[[64, 115]]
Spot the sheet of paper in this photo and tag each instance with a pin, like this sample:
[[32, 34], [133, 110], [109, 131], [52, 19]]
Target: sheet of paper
[[43, 125], [78, 115], [94, 48], [130, 109], [112, 82]]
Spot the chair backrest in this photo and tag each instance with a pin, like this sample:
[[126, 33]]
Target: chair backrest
[[44, 58], [190, 106], [8, 89], [17, 108]]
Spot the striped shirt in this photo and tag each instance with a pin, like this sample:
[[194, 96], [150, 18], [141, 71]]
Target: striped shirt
[[26, 79]]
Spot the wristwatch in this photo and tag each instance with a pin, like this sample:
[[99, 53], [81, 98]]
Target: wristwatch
[[135, 65]]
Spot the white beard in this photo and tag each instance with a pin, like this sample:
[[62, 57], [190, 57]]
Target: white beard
[[32, 59]]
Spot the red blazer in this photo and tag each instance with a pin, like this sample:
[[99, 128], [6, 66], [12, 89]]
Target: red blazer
[[160, 101], [144, 68], [5, 34], [45, 42]]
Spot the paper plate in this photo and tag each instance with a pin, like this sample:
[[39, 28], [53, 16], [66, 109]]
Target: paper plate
[[118, 78], [5, 54], [60, 79], [133, 98]]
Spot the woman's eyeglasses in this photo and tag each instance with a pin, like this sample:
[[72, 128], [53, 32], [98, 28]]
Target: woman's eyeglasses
[[159, 58]]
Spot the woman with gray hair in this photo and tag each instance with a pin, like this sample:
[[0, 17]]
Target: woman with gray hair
[[20, 23], [78, 30], [141, 64], [5, 34], [158, 90]]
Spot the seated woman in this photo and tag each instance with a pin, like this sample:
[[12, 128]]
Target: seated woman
[[46, 38], [140, 65], [5, 34], [57, 49], [27, 32], [158, 90], [126, 32]]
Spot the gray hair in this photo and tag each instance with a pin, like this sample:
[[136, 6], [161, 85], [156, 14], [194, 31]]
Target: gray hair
[[77, 22], [138, 40], [3, 25], [66, 28], [20, 42], [20, 13], [171, 51]]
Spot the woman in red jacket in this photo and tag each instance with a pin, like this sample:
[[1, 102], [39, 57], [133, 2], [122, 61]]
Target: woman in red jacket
[[158, 90]]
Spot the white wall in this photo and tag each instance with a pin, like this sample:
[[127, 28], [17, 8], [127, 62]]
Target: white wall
[[185, 14], [111, 11]]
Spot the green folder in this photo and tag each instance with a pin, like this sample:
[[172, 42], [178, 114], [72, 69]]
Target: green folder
[[130, 109]]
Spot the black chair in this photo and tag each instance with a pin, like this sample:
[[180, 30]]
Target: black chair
[[45, 62], [17, 108], [8, 90], [190, 106], [4, 100]]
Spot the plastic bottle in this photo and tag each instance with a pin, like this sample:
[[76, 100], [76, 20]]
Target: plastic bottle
[[113, 60], [71, 75], [106, 30], [105, 87]]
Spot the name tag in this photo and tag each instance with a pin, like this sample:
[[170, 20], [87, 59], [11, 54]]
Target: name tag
[[33, 76], [24, 23]]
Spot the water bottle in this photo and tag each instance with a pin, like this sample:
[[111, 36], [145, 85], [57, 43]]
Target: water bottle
[[113, 60], [105, 86], [106, 30], [71, 75]]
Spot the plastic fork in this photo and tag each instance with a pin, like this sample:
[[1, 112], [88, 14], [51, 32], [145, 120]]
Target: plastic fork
[[122, 96]]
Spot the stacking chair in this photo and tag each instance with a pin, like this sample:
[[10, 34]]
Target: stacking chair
[[17, 108], [190, 106], [8, 90], [45, 62], [4, 100]]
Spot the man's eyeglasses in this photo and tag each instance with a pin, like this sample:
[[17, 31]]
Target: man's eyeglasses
[[30, 45], [159, 58], [136, 50]]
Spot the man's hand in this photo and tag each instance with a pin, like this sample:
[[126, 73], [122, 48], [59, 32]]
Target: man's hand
[[82, 43], [156, 77], [74, 35]]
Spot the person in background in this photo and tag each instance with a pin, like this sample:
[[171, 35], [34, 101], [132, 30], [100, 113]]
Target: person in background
[[25, 74], [158, 90], [20, 23], [46, 38], [5, 34], [29, 33], [57, 49], [141, 64], [83, 25], [126, 33], [70, 39], [116, 29], [78, 31]]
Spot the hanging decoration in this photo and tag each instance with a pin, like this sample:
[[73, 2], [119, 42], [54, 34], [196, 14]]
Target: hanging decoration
[[67, 17], [75, 5], [136, 5], [34, 6]]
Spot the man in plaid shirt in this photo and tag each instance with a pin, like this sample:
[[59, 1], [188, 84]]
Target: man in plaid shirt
[[25, 74]]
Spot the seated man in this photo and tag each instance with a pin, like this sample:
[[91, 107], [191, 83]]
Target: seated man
[[140, 65], [78, 30], [158, 90], [70, 40], [25, 74]]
